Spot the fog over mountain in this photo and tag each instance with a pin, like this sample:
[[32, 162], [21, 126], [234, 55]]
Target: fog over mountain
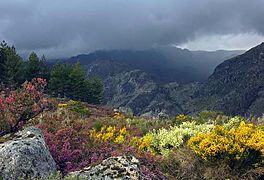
[[65, 28]]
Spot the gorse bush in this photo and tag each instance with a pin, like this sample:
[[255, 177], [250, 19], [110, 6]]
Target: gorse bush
[[243, 144], [109, 134]]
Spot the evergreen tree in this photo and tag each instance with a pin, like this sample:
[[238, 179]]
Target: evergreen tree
[[33, 67], [59, 84], [69, 81], [3, 46], [94, 90], [12, 66], [77, 82], [44, 69]]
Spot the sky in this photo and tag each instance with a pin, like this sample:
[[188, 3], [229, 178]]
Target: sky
[[63, 28]]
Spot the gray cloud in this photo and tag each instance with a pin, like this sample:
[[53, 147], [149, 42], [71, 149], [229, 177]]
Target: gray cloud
[[63, 27]]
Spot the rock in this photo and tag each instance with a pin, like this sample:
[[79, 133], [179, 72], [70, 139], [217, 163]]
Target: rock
[[25, 155], [120, 167], [163, 115], [126, 110]]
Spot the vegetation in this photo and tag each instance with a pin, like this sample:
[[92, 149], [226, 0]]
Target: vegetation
[[69, 81], [11, 66], [64, 80], [183, 148]]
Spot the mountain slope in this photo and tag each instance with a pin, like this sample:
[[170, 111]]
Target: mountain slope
[[152, 81], [238, 83]]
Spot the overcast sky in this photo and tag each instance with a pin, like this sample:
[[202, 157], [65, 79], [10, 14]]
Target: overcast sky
[[60, 28]]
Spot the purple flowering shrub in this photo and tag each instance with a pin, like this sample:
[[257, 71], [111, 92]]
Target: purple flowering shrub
[[69, 139]]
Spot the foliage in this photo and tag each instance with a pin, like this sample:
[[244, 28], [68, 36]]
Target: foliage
[[59, 84], [78, 107], [94, 88], [66, 140], [33, 67], [163, 140], [109, 134], [17, 107], [11, 66], [36, 67], [74, 143], [243, 145], [161, 151], [69, 81]]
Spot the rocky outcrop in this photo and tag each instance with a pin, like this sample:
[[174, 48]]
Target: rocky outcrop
[[25, 155], [134, 89], [120, 167]]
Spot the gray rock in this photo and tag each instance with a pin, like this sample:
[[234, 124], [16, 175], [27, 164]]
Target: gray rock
[[126, 110], [120, 167], [163, 115], [25, 155]]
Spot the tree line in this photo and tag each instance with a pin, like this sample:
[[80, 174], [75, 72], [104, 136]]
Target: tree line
[[64, 80]]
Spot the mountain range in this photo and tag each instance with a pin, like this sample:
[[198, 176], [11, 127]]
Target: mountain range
[[174, 80]]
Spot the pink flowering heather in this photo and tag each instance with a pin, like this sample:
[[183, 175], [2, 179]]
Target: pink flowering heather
[[17, 107]]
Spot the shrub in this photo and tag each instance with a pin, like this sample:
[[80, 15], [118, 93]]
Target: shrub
[[78, 107], [182, 164], [109, 134], [164, 140], [17, 107], [242, 146], [67, 140]]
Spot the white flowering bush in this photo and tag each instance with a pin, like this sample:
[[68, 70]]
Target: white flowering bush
[[163, 140], [233, 123]]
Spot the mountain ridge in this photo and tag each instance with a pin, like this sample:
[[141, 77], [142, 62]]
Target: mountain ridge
[[126, 85]]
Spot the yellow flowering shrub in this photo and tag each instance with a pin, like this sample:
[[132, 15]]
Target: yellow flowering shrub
[[243, 142], [143, 143], [182, 118], [62, 105], [109, 134], [118, 115]]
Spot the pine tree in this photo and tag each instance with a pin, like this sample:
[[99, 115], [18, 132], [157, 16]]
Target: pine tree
[[44, 68], [33, 67], [77, 82], [69, 81], [12, 67], [94, 91], [59, 84], [3, 46]]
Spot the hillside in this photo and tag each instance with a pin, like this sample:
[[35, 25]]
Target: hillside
[[164, 64], [237, 84], [152, 81], [71, 140]]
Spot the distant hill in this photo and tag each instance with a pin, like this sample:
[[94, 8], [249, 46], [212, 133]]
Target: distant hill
[[152, 81], [164, 64]]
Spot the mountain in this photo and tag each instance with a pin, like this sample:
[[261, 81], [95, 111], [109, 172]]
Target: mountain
[[165, 64], [165, 79], [237, 84]]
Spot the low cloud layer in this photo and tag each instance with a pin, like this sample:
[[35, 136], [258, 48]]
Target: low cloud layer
[[63, 28]]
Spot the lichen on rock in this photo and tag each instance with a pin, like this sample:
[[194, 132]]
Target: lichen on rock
[[120, 167], [25, 155]]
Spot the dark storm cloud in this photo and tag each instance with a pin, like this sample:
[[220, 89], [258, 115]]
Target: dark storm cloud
[[67, 27]]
